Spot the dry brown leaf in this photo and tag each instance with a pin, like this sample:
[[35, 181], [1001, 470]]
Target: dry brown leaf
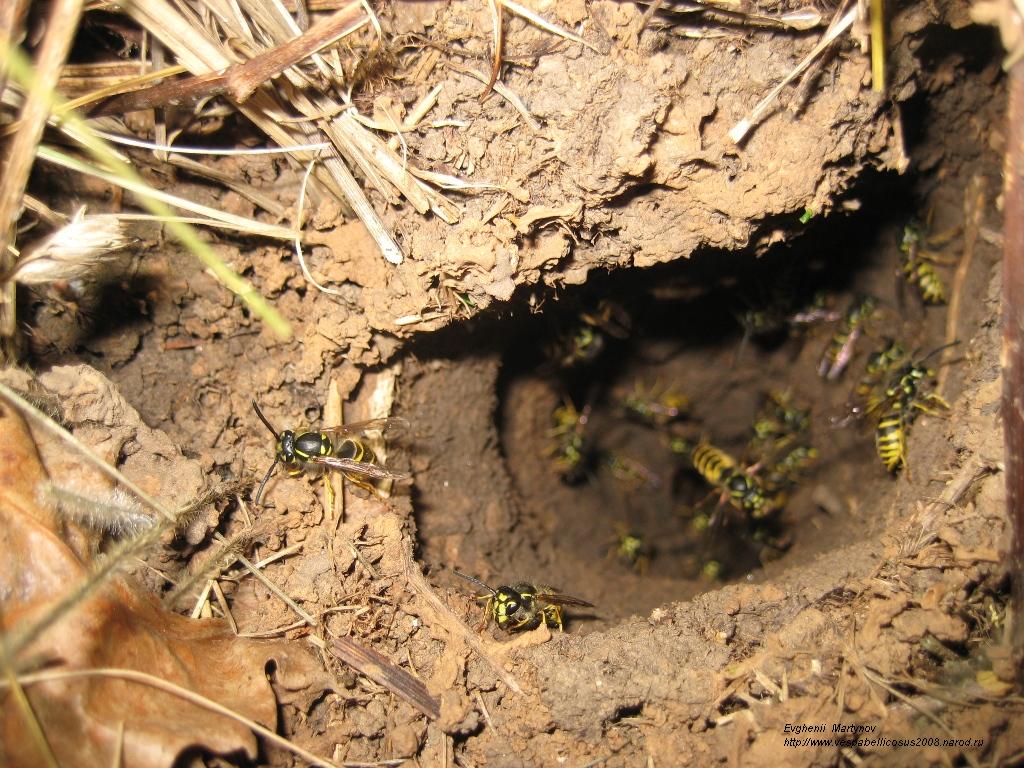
[[118, 627]]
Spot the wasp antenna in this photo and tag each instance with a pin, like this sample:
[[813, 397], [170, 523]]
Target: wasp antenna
[[476, 581], [939, 349], [263, 483], [263, 418]]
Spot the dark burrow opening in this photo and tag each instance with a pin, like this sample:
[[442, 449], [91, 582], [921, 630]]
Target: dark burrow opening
[[558, 483]]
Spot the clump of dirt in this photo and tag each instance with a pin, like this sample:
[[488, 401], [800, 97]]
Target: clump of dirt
[[621, 208]]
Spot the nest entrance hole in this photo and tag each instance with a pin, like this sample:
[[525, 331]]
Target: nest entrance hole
[[718, 330]]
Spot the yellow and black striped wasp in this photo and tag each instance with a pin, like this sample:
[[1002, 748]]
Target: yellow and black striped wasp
[[628, 471], [631, 548], [655, 407], [343, 448], [787, 471], [840, 349], [779, 422], [584, 341], [866, 396], [904, 398], [919, 262], [897, 390], [523, 606], [569, 450], [744, 489]]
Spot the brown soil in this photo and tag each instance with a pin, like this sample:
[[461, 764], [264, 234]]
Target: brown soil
[[883, 603]]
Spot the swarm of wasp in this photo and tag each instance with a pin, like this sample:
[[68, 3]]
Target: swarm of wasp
[[840, 349], [523, 606], [343, 448], [919, 263]]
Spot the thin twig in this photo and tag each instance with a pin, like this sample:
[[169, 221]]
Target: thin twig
[[738, 131], [497, 33], [974, 204], [535, 18], [262, 578], [504, 92], [240, 80]]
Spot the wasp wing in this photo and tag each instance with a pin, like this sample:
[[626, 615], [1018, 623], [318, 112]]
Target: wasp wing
[[358, 467], [388, 427], [557, 598]]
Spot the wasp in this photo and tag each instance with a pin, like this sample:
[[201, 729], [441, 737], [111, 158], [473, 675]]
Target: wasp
[[630, 548], [878, 368], [524, 606], [342, 448], [568, 449], [880, 364], [929, 284], [891, 437], [819, 310], [584, 342], [629, 471], [790, 469], [840, 347], [655, 407], [905, 396], [743, 489], [779, 422], [904, 401], [919, 263]]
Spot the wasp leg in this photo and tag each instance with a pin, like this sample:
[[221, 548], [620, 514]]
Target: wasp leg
[[932, 399], [553, 616]]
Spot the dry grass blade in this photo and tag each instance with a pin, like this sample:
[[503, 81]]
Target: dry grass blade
[[262, 578], [838, 27], [28, 715], [496, 31], [877, 46], [146, 193], [121, 85], [880, 681], [83, 134], [192, 697], [378, 668], [230, 181], [505, 93], [202, 55], [923, 528], [534, 18], [60, 29]]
